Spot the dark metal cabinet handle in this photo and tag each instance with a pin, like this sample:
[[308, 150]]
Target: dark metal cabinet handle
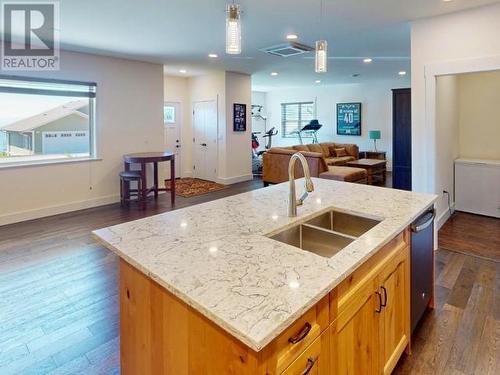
[[385, 297], [310, 365], [301, 335], [203, 144], [379, 309]]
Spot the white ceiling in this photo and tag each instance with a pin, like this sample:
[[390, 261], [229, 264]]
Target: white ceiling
[[181, 33]]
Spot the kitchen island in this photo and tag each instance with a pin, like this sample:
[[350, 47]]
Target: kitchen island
[[206, 290]]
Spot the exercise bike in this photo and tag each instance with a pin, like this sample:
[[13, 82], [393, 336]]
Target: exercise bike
[[257, 155]]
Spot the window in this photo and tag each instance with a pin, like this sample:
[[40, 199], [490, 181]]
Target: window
[[294, 116], [45, 120]]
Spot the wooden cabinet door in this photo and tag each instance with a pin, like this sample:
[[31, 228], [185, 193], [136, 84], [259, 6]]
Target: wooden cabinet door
[[354, 343], [395, 316]]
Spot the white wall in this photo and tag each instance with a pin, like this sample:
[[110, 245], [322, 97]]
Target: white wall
[[238, 158], [447, 130], [376, 111], [259, 98], [444, 40], [129, 119], [479, 115]]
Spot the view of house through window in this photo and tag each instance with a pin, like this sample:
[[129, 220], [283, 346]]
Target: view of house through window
[[294, 116], [45, 119]]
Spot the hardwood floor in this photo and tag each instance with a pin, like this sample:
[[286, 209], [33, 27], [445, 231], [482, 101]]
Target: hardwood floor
[[58, 290], [59, 303], [462, 335], [472, 234]]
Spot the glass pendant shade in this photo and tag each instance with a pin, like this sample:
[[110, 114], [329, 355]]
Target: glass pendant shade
[[321, 56], [233, 29]]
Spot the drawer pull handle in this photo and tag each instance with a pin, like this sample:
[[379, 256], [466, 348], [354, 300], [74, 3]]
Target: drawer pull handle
[[379, 309], [310, 365], [301, 335], [385, 296]]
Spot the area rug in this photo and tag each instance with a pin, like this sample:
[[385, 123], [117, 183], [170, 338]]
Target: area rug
[[190, 187]]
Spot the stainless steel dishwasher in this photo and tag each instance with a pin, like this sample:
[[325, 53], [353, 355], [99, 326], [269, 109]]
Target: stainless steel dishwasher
[[422, 265]]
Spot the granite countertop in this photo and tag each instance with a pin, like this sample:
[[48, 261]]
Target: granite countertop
[[217, 257]]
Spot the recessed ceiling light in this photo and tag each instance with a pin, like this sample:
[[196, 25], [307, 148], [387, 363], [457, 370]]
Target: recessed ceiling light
[[183, 71], [274, 73], [402, 73], [213, 55], [447, 1], [367, 60], [292, 36], [318, 81]]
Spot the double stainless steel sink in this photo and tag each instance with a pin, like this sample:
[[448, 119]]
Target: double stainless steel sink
[[326, 234]]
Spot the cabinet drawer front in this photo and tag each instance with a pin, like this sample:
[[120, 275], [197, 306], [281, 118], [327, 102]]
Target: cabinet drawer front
[[296, 338], [314, 360]]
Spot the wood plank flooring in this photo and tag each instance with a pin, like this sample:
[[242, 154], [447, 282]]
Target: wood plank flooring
[[58, 290], [462, 335], [472, 234], [59, 302]]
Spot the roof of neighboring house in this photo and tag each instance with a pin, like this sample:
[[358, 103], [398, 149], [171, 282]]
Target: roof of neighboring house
[[33, 122]]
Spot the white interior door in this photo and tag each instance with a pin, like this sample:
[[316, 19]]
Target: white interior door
[[205, 140], [172, 130]]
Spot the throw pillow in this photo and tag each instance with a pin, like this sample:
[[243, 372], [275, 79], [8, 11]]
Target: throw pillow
[[339, 152]]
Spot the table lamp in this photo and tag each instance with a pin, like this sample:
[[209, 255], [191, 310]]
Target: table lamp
[[374, 134]]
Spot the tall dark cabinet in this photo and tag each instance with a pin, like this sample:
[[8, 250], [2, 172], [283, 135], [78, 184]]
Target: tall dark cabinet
[[401, 139]]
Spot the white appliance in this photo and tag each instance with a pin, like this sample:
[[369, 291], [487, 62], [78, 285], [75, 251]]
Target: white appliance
[[477, 186]]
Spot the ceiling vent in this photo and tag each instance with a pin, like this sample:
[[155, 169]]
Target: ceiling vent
[[288, 49]]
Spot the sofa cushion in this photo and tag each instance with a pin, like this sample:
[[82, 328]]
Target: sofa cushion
[[339, 161], [326, 149], [300, 148], [346, 174], [339, 152], [315, 148]]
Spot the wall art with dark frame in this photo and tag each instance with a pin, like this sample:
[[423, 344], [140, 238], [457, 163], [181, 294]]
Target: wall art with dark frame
[[239, 117], [349, 118]]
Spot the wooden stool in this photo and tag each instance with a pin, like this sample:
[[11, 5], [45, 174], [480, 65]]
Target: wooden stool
[[125, 192]]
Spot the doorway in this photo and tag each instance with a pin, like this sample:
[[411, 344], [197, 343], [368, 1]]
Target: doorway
[[172, 132], [205, 140]]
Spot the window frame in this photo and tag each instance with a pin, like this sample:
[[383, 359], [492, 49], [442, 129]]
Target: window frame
[[284, 134], [92, 96]]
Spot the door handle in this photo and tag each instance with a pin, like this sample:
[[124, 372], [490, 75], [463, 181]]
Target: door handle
[[301, 335], [385, 296], [379, 309], [309, 366]]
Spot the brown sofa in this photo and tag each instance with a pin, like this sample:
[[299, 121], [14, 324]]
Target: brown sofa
[[326, 150], [276, 160]]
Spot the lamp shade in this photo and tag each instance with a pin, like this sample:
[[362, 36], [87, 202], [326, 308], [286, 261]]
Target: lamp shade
[[374, 134]]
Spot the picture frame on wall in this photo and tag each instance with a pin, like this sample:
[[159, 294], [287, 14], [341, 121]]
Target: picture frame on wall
[[349, 119], [239, 117]]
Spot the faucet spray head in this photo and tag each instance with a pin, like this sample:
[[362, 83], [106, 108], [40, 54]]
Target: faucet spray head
[[309, 185]]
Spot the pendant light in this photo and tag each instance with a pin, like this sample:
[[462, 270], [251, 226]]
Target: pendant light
[[321, 58], [233, 29]]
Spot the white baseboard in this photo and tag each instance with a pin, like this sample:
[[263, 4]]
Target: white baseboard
[[234, 180], [443, 218], [37, 213], [187, 174]]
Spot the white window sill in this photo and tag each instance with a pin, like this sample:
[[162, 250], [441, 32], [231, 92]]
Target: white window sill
[[35, 163]]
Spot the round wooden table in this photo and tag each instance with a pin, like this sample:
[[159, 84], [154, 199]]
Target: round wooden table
[[144, 158]]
